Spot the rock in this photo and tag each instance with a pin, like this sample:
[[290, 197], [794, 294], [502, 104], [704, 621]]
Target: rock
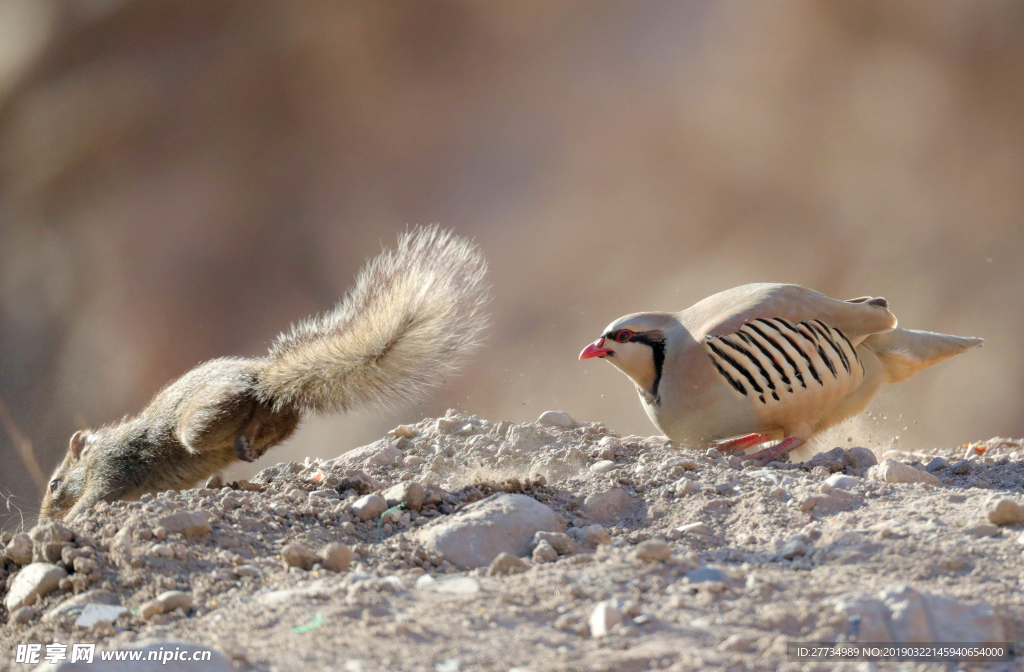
[[19, 549], [936, 464], [166, 602], [187, 523], [685, 487], [409, 493], [51, 530], [605, 616], [902, 614], [693, 528], [83, 565], [793, 548], [47, 551], [215, 482], [706, 574], [544, 552], [841, 482], [378, 454], [860, 458], [595, 535], [23, 615], [653, 550], [806, 503], [35, 580], [336, 557], [505, 564], [463, 585], [298, 555], [369, 506], [503, 522], [1004, 511], [79, 602], [737, 643], [961, 468], [833, 460], [982, 530], [556, 419], [602, 507], [190, 658], [560, 541], [403, 432], [249, 571], [602, 466], [891, 471], [96, 614]]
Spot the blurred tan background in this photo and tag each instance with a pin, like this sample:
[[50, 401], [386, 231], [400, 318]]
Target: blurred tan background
[[181, 179]]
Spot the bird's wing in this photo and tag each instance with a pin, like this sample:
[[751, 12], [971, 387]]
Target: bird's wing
[[724, 313]]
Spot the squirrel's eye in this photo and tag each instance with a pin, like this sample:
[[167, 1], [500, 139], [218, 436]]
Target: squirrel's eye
[[623, 335], [54, 484]]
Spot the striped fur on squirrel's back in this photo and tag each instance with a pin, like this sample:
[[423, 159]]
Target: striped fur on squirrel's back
[[413, 313]]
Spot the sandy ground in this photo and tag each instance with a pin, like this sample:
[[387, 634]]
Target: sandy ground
[[779, 555]]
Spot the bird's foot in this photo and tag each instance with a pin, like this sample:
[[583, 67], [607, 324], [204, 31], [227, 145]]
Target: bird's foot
[[781, 448], [740, 443]]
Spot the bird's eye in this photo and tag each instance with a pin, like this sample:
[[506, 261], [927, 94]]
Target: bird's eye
[[54, 484], [623, 336]]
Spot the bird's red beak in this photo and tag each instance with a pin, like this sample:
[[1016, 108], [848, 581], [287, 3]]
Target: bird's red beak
[[595, 350]]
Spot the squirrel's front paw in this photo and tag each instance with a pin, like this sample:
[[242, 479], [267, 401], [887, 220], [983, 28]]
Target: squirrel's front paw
[[243, 448]]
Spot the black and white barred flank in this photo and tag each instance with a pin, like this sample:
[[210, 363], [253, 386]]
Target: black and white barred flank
[[766, 357]]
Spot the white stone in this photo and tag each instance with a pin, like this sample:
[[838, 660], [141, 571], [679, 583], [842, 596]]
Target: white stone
[[544, 552], [556, 419], [982, 530], [653, 550], [604, 617], [409, 493], [602, 466], [369, 506], [841, 482], [35, 580], [503, 522], [94, 614], [19, 549], [462, 585], [685, 487], [560, 541], [336, 557], [693, 528], [602, 507], [187, 523], [1004, 511], [595, 535], [891, 471], [793, 548]]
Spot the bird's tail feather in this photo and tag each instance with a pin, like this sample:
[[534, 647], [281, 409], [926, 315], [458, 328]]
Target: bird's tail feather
[[904, 352], [413, 313]]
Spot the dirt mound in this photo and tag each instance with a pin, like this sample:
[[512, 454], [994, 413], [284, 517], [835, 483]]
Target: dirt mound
[[605, 553]]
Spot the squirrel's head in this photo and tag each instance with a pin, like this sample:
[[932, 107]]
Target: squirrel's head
[[68, 481]]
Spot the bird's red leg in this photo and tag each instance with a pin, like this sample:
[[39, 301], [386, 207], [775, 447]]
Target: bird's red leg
[[741, 443], [778, 450]]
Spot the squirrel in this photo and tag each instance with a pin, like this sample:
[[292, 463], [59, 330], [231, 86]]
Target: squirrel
[[413, 312]]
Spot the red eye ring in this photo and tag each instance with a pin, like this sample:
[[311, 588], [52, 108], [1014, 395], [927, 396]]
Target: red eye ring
[[623, 336]]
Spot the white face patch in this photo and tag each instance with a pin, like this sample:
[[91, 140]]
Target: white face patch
[[636, 360]]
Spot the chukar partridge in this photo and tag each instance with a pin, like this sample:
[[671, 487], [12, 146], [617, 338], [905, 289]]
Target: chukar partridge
[[763, 362]]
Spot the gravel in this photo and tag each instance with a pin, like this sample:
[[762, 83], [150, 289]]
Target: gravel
[[700, 577]]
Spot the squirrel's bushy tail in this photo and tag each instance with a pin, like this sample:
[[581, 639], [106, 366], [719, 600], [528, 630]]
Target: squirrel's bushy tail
[[413, 313]]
